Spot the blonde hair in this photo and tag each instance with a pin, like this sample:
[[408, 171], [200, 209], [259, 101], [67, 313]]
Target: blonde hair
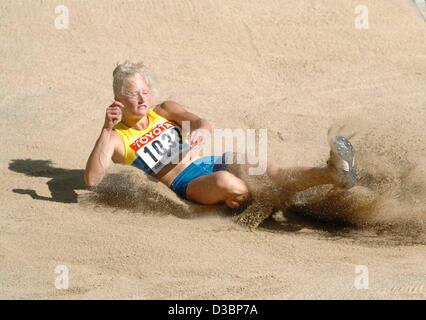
[[128, 69]]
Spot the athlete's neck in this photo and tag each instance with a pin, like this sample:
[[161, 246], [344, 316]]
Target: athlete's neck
[[136, 123]]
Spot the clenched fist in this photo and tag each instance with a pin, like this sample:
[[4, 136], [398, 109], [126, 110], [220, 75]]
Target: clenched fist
[[113, 115]]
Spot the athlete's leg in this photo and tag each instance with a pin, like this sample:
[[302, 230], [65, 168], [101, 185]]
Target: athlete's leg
[[220, 186], [286, 182], [340, 170], [296, 179]]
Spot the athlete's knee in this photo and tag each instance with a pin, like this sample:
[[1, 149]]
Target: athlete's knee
[[235, 190], [230, 184]]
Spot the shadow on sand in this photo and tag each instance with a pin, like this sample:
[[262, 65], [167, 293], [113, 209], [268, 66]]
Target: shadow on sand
[[62, 184], [117, 190]]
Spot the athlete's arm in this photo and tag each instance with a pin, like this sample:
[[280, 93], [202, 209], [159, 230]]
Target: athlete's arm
[[101, 157], [200, 128]]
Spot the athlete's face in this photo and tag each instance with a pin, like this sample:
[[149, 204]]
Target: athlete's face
[[135, 96]]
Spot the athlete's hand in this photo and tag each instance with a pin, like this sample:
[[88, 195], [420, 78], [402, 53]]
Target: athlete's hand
[[113, 115], [198, 137]]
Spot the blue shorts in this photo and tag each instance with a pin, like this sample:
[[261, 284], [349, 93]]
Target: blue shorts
[[200, 167]]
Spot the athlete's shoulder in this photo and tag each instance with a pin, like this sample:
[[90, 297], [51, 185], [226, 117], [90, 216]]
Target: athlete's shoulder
[[168, 109]]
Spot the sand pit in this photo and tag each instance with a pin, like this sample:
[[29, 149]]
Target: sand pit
[[296, 68]]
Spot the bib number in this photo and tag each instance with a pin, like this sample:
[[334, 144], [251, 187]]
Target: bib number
[[160, 146]]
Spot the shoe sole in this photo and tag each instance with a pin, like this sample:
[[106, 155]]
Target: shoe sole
[[342, 149]]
